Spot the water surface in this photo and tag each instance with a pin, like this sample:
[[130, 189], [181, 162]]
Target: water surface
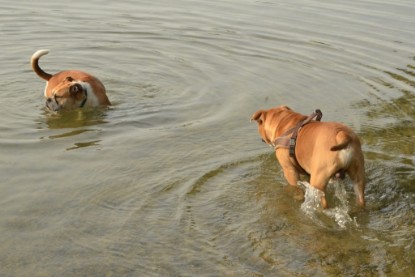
[[173, 180]]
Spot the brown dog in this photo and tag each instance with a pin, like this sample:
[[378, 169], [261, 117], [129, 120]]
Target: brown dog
[[70, 89], [323, 149]]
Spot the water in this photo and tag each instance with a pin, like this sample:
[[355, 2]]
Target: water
[[173, 180], [338, 213]]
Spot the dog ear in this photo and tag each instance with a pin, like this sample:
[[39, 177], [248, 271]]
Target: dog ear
[[259, 116]]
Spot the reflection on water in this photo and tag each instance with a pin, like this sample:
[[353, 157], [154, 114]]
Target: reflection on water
[[70, 133], [79, 145], [65, 124], [74, 118], [396, 135], [389, 139]]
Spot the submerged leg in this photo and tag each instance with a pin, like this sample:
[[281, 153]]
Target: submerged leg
[[292, 178], [319, 182], [356, 173], [290, 173]]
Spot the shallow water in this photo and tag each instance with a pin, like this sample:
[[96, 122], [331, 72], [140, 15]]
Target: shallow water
[[173, 180]]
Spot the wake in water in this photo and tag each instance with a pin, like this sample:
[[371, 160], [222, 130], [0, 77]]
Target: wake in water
[[339, 214]]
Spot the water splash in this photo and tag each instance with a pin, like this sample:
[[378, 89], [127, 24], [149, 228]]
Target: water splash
[[336, 216]]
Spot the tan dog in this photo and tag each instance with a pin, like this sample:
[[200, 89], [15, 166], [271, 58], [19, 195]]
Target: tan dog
[[70, 89], [323, 149]]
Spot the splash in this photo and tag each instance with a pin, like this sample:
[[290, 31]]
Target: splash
[[336, 216]]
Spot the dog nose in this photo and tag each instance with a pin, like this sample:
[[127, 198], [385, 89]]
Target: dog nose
[[48, 99]]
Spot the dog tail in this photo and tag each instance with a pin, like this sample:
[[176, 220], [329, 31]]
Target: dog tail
[[35, 65], [342, 139]]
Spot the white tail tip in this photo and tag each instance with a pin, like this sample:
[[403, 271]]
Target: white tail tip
[[40, 53]]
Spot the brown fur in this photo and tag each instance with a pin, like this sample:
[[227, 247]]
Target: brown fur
[[323, 149], [67, 89]]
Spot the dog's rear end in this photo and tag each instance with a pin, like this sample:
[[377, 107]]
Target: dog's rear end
[[323, 150], [351, 156]]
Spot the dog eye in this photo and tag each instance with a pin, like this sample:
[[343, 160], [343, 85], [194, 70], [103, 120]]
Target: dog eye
[[75, 89]]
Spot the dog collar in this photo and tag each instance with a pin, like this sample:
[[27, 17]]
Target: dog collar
[[84, 101]]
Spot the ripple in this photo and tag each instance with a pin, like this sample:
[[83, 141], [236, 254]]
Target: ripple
[[180, 184]]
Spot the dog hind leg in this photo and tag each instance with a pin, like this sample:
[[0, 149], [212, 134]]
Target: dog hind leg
[[319, 182], [356, 172]]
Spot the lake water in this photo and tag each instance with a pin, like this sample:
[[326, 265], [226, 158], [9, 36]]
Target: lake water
[[173, 180]]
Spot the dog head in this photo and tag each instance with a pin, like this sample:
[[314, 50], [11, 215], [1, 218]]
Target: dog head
[[269, 121], [68, 94]]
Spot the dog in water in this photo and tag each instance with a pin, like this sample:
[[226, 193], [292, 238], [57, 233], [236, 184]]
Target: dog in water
[[322, 150], [70, 89]]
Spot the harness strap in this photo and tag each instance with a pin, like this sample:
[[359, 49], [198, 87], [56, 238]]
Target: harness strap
[[317, 114], [290, 142]]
